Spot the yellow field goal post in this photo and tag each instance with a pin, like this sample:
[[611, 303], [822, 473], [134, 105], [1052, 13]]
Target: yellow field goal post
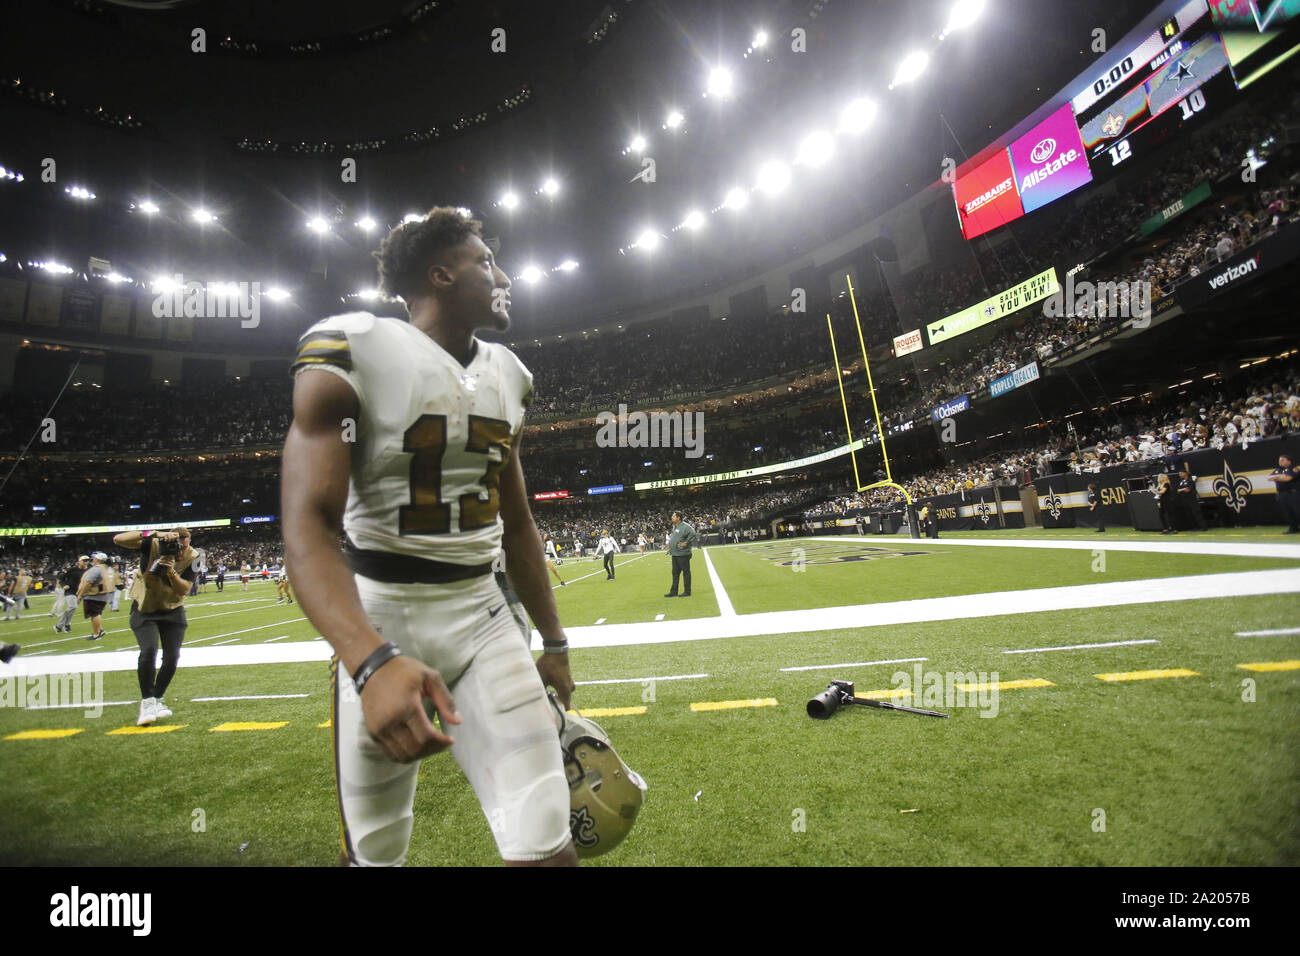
[[875, 409]]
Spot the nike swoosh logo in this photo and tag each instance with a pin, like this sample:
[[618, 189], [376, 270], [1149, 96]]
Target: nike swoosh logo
[[493, 613]]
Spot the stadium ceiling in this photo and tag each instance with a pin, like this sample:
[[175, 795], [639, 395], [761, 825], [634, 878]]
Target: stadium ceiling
[[256, 128]]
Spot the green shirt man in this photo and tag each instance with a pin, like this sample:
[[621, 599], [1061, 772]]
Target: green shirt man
[[680, 542]]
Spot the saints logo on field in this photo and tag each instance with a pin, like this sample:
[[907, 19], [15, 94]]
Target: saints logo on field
[[984, 511], [1233, 489], [1054, 504], [583, 828]]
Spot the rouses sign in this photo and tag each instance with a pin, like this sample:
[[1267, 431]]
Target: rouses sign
[[1021, 376], [986, 196], [948, 409], [548, 495], [1049, 160], [909, 342]]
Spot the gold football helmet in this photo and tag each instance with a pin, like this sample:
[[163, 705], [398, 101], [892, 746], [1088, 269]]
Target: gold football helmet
[[605, 794]]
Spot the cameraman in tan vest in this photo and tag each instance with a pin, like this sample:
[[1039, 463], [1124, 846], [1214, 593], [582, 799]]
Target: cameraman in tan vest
[[158, 610]]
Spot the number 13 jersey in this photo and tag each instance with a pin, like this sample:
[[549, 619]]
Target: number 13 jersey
[[431, 438]]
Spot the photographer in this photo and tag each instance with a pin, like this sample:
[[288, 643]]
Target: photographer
[[158, 610]]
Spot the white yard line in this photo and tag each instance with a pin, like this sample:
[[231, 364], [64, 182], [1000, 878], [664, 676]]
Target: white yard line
[[724, 602], [1276, 632], [200, 700], [861, 617], [1188, 546], [231, 641], [659, 617], [601, 620], [831, 667], [272, 640], [639, 680], [1075, 647]]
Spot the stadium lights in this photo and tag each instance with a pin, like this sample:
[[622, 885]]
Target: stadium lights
[[648, 240], [637, 145], [465, 212], [318, 225], [736, 198], [911, 67], [115, 277], [694, 220], [857, 116], [276, 294], [366, 224], [568, 265], [148, 207], [531, 274], [719, 82], [674, 120], [77, 192], [509, 201], [162, 284], [760, 39], [964, 13], [550, 187], [202, 216], [58, 268], [773, 177], [10, 175], [411, 217], [815, 150]]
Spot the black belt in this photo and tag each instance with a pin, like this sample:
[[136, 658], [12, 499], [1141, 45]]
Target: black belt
[[403, 569]]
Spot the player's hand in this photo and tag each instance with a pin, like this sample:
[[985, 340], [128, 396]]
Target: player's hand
[[393, 705], [554, 669]]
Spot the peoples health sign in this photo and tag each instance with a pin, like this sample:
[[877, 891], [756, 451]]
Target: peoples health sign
[[1049, 160], [1021, 376]]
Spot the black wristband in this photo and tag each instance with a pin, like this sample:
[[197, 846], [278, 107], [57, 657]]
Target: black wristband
[[381, 656]]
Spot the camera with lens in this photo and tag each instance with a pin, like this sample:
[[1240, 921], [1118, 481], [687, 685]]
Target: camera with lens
[[167, 547], [828, 701]]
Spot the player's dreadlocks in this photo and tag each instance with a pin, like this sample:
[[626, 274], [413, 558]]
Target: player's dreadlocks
[[405, 253]]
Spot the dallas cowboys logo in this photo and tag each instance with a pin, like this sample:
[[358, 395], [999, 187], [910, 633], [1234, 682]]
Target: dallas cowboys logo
[[1054, 504], [583, 828], [1233, 489], [1182, 73]]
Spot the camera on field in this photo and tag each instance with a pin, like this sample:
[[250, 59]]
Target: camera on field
[[167, 547], [840, 693]]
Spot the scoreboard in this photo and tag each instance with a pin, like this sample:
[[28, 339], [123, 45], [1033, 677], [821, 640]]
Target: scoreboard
[[1150, 88]]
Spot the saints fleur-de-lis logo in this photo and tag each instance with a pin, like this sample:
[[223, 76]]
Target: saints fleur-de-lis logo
[[983, 510], [1054, 504], [1233, 489], [583, 828]]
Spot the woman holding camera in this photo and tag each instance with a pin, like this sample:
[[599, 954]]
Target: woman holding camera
[[158, 610]]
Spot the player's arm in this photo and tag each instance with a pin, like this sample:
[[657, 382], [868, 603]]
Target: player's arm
[[526, 569], [313, 495]]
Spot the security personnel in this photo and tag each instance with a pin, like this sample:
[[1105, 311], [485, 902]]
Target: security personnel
[[1189, 497], [1165, 498], [1288, 491], [1094, 507], [681, 539]]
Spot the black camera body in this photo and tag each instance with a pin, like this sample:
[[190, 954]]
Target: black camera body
[[828, 701], [169, 546]]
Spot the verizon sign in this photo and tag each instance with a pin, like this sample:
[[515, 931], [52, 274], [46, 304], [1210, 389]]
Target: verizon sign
[[908, 342]]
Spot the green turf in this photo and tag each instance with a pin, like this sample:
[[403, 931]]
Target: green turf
[[1186, 771]]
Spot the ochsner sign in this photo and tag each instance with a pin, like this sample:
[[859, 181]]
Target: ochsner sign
[[909, 342], [1049, 160]]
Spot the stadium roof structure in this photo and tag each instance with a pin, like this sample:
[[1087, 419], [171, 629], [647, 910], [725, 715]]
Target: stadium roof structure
[[457, 102]]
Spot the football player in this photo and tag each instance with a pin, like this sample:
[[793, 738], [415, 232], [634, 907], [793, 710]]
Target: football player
[[283, 594], [406, 434], [552, 558]]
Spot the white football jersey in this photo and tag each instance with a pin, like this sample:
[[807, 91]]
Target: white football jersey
[[431, 439]]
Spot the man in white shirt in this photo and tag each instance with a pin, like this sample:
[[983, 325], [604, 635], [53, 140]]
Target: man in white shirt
[[606, 547]]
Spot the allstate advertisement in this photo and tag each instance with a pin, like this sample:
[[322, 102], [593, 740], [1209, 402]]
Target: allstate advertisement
[[1050, 160]]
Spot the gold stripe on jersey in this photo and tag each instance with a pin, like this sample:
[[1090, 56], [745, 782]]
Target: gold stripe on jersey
[[323, 348]]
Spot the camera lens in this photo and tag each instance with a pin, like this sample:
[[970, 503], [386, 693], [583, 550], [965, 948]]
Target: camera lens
[[824, 704]]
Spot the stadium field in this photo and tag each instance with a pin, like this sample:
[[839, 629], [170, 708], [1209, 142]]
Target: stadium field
[[1107, 707]]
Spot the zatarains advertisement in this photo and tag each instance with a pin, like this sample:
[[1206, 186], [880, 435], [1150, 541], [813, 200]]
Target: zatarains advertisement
[[986, 196], [907, 343], [1033, 289], [1050, 160], [1021, 376]]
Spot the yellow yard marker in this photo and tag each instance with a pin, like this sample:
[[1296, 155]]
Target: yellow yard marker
[[247, 725], [1006, 685], [151, 729], [1146, 675], [733, 704], [611, 711], [42, 734], [1271, 666], [328, 723]]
